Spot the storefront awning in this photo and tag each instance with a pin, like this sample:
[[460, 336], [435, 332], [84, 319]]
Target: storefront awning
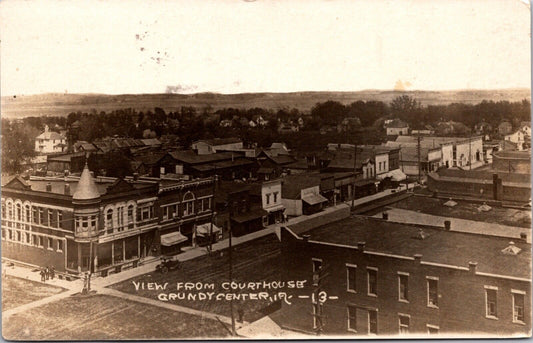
[[172, 238], [313, 199], [275, 208], [395, 175], [204, 229]]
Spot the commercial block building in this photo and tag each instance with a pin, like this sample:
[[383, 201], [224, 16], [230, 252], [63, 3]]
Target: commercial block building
[[382, 278]]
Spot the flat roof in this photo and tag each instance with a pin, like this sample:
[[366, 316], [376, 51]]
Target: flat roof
[[439, 246]]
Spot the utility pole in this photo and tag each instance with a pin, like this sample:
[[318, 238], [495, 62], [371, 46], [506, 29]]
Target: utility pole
[[470, 152], [354, 175], [213, 207], [233, 332], [418, 154], [318, 299]]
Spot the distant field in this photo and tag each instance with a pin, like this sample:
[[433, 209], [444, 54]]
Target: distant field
[[62, 104]]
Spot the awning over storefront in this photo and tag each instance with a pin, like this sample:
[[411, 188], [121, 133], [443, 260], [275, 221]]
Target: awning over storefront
[[395, 175], [204, 229], [253, 214], [275, 208], [313, 199], [172, 238]]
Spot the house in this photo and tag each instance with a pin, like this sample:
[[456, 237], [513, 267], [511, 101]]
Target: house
[[483, 128], [505, 128], [226, 123], [349, 124], [84, 146], [397, 127], [50, 142], [211, 146], [285, 128], [301, 195], [525, 126], [102, 225], [389, 279], [364, 168], [273, 163], [517, 138]]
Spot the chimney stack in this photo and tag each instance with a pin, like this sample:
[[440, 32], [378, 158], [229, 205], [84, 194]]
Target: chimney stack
[[472, 267], [418, 258], [523, 236], [385, 216], [447, 225], [67, 189], [306, 237], [135, 176], [48, 187], [361, 246]]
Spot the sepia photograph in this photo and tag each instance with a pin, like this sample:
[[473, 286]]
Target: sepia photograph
[[265, 169]]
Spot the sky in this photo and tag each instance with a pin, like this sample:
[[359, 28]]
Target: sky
[[189, 46]]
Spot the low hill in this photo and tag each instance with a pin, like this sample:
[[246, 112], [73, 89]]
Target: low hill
[[55, 104]]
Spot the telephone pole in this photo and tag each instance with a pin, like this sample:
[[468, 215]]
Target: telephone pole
[[418, 154], [233, 332], [354, 175]]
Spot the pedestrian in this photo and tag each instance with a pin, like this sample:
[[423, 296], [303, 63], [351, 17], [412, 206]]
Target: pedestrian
[[43, 279], [47, 273], [52, 272]]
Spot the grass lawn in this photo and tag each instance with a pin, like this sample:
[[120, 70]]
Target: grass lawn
[[256, 260], [101, 317], [466, 210], [16, 291]]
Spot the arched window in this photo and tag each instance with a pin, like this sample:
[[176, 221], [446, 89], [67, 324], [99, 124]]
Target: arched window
[[18, 212], [109, 219], [3, 209], [130, 216], [10, 210], [28, 213], [188, 204]]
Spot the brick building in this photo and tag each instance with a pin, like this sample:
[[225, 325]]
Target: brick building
[[512, 162], [389, 279], [102, 224]]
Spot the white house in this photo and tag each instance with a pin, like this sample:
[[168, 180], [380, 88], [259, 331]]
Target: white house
[[397, 127], [211, 146], [518, 138], [50, 142]]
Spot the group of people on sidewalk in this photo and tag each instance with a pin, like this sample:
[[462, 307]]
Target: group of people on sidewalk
[[47, 273]]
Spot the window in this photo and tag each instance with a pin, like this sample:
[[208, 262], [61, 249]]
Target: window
[[265, 221], [50, 244], [18, 212], [491, 294], [373, 322], [433, 291], [268, 199], [372, 276], [27, 213], [188, 204], [3, 209], [59, 219], [432, 329], [317, 264], [275, 197], [18, 236], [40, 241], [147, 212], [350, 277], [130, 216], [34, 240], [41, 216], [518, 306], [9, 210], [94, 224], [120, 218], [205, 204], [166, 212], [403, 287], [352, 318], [176, 210], [59, 245], [404, 323], [50, 215], [109, 221]]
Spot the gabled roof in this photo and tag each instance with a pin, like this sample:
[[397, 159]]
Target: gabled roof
[[397, 123], [190, 157], [50, 135], [220, 141]]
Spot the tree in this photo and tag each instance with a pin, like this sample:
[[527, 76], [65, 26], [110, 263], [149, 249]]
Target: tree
[[329, 112], [17, 145], [407, 108]]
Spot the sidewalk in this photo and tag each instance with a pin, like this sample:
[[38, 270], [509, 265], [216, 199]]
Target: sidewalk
[[379, 195], [28, 274], [460, 225]]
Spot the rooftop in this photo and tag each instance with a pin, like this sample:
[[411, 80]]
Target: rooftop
[[439, 246], [189, 156]]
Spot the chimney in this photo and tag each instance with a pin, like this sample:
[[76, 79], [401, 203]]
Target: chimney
[[447, 225], [361, 246], [385, 216], [523, 236], [67, 189], [306, 237], [48, 187], [66, 172], [135, 176], [472, 267], [418, 258]]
